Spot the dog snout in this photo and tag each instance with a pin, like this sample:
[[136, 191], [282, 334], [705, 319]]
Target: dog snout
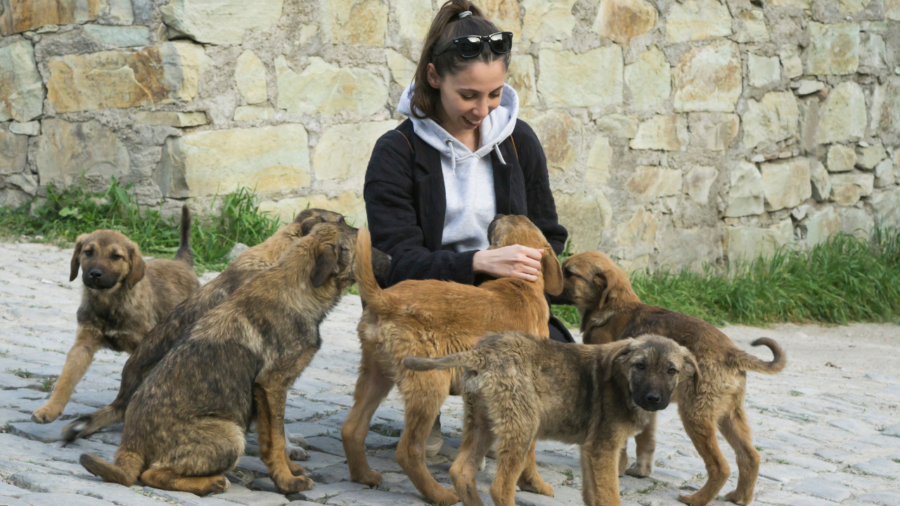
[[653, 398], [95, 273]]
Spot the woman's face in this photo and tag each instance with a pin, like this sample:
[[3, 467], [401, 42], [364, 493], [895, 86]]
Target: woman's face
[[468, 96]]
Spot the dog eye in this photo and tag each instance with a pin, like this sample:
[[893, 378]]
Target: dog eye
[[115, 258], [672, 371], [640, 366], [89, 253]]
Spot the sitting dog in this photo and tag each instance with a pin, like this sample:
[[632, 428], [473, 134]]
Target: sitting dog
[[163, 337], [610, 310], [434, 318], [518, 387], [123, 298], [185, 425]]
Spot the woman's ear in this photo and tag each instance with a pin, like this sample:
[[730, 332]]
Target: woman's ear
[[433, 78]]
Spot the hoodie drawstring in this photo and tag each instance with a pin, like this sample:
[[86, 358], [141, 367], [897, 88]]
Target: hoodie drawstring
[[452, 155], [500, 156]]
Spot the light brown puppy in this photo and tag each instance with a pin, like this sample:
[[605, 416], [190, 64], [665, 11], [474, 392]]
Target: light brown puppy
[[123, 299], [431, 319], [610, 310], [519, 387]]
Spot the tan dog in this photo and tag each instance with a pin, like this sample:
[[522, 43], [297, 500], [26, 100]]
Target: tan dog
[[431, 319], [185, 425], [610, 310], [519, 387], [123, 299]]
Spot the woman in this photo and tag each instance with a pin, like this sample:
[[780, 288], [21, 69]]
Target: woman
[[434, 184]]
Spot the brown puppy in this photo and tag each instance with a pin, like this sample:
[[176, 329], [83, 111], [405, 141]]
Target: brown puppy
[[519, 387], [123, 298], [610, 310], [163, 337], [185, 425], [432, 319]]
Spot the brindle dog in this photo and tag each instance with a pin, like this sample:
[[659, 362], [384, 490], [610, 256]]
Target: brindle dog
[[123, 299], [185, 425], [163, 337], [519, 387], [611, 310]]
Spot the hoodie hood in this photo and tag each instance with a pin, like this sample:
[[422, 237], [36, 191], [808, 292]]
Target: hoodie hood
[[494, 129]]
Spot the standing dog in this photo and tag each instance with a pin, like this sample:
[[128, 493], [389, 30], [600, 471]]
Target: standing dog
[[163, 337], [435, 318], [519, 387], [611, 310], [185, 425], [123, 299]]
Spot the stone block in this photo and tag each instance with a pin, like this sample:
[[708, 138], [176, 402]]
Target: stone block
[[808, 87], [560, 136], [21, 89], [708, 78], [332, 160], [820, 180], [892, 9], [887, 214], [698, 183], [751, 27], [617, 125], [503, 13], [833, 49], [22, 16], [714, 131], [66, 151], [13, 149], [253, 113], [623, 20], [857, 222], [154, 75], [521, 77], [265, 159], [747, 243], [403, 70], [841, 158], [849, 188], [171, 118], [650, 80], [884, 173], [886, 110], [219, 21], [844, 116], [791, 61], [786, 183], [599, 159], [547, 20], [414, 18], [747, 195], [118, 36], [351, 205], [588, 212], [589, 79], [250, 75], [821, 226], [867, 157], [764, 71], [775, 118], [325, 88], [872, 54], [357, 22], [697, 20], [640, 230], [650, 183], [32, 128], [664, 132]]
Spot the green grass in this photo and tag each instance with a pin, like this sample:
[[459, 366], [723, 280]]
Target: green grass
[[67, 213]]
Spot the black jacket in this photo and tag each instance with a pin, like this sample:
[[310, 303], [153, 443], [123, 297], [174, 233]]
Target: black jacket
[[406, 202]]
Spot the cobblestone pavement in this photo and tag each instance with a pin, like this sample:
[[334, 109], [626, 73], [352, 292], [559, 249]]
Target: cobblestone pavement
[[828, 427]]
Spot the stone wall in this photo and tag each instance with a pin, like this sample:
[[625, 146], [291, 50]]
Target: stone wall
[[675, 133]]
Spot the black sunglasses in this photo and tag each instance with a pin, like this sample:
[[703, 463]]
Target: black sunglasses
[[470, 46]]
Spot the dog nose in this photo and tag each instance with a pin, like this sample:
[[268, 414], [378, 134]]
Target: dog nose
[[653, 398], [95, 273]]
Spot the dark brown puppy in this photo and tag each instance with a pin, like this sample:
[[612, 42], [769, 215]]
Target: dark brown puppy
[[163, 337], [519, 387], [611, 310], [185, 425], [435, 318], [123, 299]]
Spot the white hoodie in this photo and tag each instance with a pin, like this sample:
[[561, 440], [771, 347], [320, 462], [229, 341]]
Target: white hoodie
[[468, 176]]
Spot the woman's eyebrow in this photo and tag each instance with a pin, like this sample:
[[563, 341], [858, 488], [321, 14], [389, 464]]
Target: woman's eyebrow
[[470, 90]]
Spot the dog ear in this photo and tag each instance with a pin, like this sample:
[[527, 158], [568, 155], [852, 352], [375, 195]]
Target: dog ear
[[689, 359], [598, 278], [326, 264], [137, 266], [613, 351], [552, 271], [76, 261], [307, 225]]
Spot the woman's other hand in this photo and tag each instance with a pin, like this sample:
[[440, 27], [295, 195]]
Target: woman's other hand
[[509, 262]]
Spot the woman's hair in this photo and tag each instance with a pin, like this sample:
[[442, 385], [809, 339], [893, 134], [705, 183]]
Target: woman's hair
[[447, 26]]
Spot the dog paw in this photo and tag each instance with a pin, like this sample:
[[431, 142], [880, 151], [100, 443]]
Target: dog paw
[[737, 498], [693, 500], [370, 478], [639, 469], [536, 488], [443, 496], [297, 469], [296, 453], [219, 486], [293, 484], [46, 414]]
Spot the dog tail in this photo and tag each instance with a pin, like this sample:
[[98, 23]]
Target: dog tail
[[371, 294], [185, 253], [747, 362], [462, 359], [129, 465]]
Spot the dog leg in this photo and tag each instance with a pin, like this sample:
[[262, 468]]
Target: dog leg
[[511, 455], [270, 401], [702, 432], [166, 478], [476, 441], [623, 460], [372, 387], [646, 447], [737, 433], [530, 480], [89, 424], [587, 478], [604, 478], [77, 362]]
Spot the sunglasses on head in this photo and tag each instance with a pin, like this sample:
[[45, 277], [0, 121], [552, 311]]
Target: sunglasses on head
[[470, 46]]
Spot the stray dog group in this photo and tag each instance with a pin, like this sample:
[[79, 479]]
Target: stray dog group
[[207, 362]]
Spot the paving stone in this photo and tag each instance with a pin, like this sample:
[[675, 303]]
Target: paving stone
[[319, 460], [880, 467], [882, 378], [821, 488], [806, 463], [44, 433], [789, 499], [9, 415], [326, 445], [66, 499], [851, 425], [11, 501], [785, 473], [8, 490], [885, 497], [320, 493]]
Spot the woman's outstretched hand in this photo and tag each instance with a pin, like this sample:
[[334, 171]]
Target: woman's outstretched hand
[[509, 262]]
